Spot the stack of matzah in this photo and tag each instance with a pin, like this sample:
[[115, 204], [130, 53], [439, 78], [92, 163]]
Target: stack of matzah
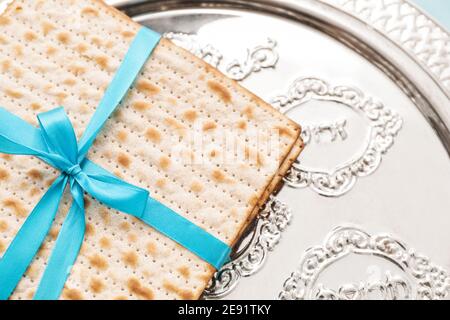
[[65, 52]]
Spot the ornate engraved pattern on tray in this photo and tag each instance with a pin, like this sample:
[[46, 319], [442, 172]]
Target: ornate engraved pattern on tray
[[251, 255], [260, 57], [409, 28], [383, 126], [392, 270]]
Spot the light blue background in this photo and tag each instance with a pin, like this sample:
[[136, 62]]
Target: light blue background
[[438, 9]]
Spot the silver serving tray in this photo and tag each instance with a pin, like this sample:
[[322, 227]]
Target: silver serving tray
[[369, 81], [365, 212]]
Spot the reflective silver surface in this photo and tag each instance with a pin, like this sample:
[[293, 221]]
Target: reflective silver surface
[[373, 98]]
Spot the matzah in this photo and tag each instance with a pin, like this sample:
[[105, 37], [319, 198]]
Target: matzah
[[65, 53]]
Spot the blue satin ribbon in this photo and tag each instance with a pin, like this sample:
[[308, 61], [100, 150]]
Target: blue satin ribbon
[[55, 143]]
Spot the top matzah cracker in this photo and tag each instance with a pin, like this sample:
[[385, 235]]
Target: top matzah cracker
[[65, 52]]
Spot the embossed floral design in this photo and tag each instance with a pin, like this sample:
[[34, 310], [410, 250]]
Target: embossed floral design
[[264, 236], [260, 57], [426, 280], [384, 126]]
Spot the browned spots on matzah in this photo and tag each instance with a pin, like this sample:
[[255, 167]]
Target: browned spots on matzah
[[147, 87], [13, 93], [220, 91], [132, 237], [109, 44], [63, 37], [102, 61], [3, 226], [248, 112], [130, 258], [283, 131], [174, 123], [153, 135], [87, 202], [122, 136], [90, 229], [254, 200], [2, 246], [136, 288], [128, 34], [30, 36], [49, 182], [118, 174], [96, 285], [184, 271], [77, 70], [32, 271], [120, 298], [7, 157], [164, 162], [183, 294], [35, 174], [196, 187], [34, 191], [104, 214], [30, 294], [219, 176], [47, 27], [125, 226], [105, 243], [4, 21], [89, 11], [6, 65], [54, 233], [16, 207], [3, 40], [72, 294], [98, 262], [141, 105], [152, 249], [124, 160], [81, 48], [242, 124], [4, 175], [97, 41], [160, 183], [18, 8], [69, 82], [17, 73], [35, 106], [213, 153], [51, 50], [259, 160], [190, 115], [171, 100], [209, 125]]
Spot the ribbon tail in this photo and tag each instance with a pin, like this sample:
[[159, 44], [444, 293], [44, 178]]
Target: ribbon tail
[[65, 252], [26, 243]]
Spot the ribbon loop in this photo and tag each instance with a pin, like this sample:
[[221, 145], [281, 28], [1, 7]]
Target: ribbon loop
[[59, 136]]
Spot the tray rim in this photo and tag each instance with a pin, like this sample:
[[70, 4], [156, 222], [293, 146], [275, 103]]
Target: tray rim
[[341, 5], [393, 59]]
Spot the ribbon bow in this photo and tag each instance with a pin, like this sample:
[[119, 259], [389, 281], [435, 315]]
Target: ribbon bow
[[55, 143]]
